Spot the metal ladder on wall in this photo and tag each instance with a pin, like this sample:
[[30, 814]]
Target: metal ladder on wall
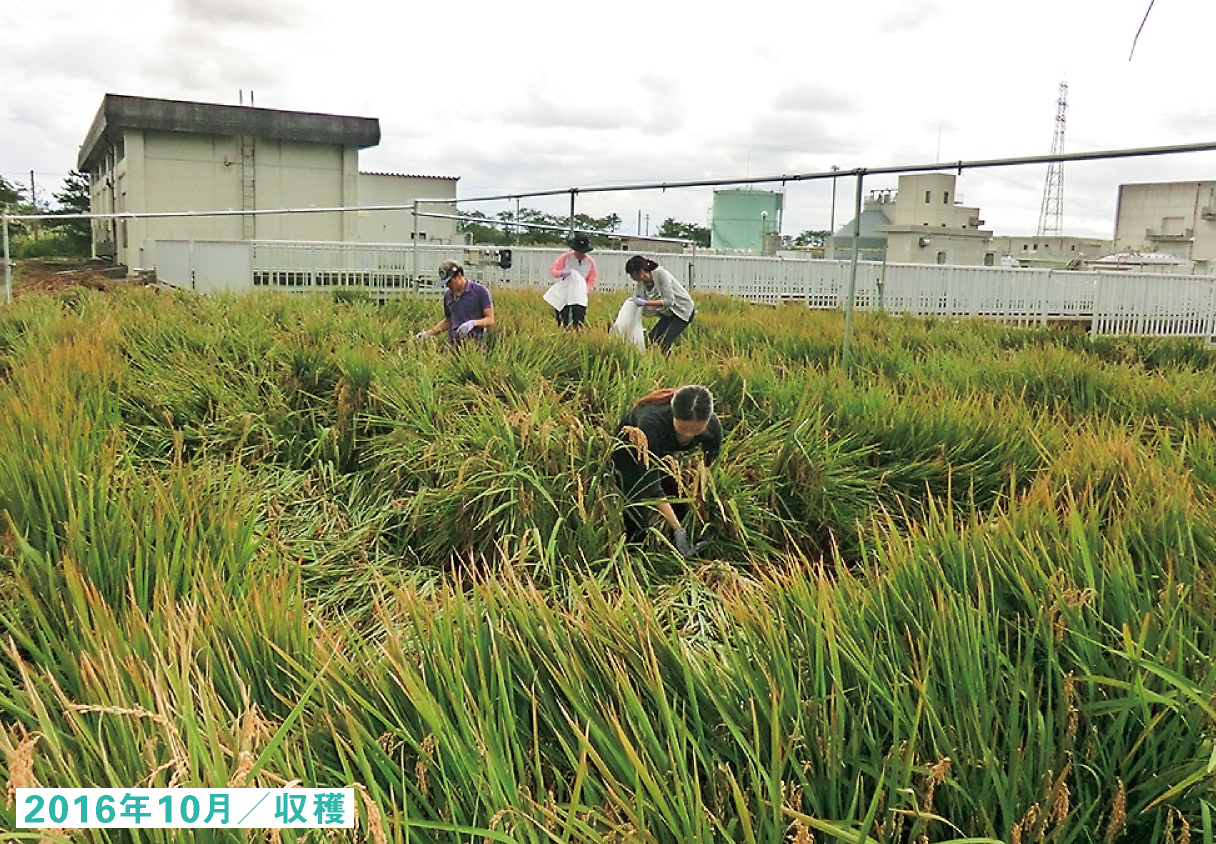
[[248, 191]]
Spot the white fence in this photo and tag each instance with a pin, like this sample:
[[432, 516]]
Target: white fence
[[1113, 303]]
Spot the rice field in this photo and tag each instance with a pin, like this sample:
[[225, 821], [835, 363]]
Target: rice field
[[963, 591]]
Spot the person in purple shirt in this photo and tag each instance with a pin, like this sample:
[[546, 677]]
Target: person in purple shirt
[[468, 309]]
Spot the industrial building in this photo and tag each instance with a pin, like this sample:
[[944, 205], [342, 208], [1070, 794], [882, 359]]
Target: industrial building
[[168, 156], [924, 222], [1168, 218], [1049, 251], [920, 224]]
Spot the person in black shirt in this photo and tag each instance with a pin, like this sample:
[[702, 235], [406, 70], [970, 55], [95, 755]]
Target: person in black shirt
[[657, 426]]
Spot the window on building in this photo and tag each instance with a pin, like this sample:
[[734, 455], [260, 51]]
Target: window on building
[[1024, 247], [421, 235], [941, 257], [927, 195], [989, 259], [946, 198]]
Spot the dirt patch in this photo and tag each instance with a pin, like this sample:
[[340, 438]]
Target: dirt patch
[[52, 275]]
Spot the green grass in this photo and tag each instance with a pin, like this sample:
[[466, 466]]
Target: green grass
[[962, 592]]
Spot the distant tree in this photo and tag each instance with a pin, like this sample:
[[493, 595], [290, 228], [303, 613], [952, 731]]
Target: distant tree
[[12, 200], [479, 232], [73, 198], [688, 231], [9, 195], [812, 237], [501, 228]]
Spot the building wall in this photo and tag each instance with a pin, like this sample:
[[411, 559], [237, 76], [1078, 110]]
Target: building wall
[[939, 247], [1175, 218], [928, 199], [1051, 251], [927, 227], [152, 171], [398, 226]]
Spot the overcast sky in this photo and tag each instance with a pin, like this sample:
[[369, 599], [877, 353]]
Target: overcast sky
[[514, 97]]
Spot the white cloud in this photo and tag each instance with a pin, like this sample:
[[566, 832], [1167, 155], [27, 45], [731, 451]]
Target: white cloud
[[236, 12], [542, 95]]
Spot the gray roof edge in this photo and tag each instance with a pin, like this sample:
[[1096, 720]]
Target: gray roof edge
[[124, 112]]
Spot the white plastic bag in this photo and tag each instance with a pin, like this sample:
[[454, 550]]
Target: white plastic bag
[[571, 290], [628, 325]]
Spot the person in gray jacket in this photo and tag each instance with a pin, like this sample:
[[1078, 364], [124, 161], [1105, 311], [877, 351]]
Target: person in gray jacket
[[658, 293]]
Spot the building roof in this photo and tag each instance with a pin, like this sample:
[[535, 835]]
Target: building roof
[[121, 112], [1141, 259], [408, 175]]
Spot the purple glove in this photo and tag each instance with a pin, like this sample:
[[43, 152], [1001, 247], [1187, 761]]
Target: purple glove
[[564, 274], [465, 328], [639, 301], [684, 547]]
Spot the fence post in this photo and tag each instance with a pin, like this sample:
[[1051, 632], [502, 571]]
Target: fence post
[[8, 265], [846, 348]]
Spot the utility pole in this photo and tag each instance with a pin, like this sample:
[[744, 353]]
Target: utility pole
[[1051, 214]]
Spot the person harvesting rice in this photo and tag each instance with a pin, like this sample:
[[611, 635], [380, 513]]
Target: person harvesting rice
[[658, 293], [575, 274], [658, 426], [468, 309]]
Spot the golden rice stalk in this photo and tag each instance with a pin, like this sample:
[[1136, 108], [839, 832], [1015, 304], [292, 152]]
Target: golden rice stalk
[[21, 766], [637, 439], [423, 765], [375, 822], [1118, 814], [244, 765]]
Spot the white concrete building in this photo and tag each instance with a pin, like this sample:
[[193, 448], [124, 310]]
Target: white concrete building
[[1049, 251], [928, 227], [150, 155], [1173, 218], [379, 189]]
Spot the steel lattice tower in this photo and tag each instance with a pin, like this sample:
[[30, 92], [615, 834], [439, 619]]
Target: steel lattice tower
[[1051, 214]]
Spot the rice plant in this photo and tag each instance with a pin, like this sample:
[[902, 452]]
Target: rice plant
[[962, 592]]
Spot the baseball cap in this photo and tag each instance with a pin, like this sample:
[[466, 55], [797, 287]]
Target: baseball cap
[[448, 269]]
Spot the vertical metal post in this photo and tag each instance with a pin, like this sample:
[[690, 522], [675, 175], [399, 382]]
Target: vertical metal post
[[846, 349], [414, 251], [517, 225], [8, 265], [832, 222], [573, 191]]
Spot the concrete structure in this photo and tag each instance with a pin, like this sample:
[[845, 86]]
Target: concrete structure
[[1144, 263], [1174, 218], [1049, 251], [876, 213], [929, 227], [746, 220], [642, 245], [918, 224], [148, 155], [378, 189]]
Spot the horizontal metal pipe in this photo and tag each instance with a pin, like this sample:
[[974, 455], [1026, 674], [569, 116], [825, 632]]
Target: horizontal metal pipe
[[958, 166]]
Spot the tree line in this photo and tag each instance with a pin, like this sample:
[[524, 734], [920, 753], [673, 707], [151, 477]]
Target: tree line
[[33, 239], [536, 228], [42, 238]]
